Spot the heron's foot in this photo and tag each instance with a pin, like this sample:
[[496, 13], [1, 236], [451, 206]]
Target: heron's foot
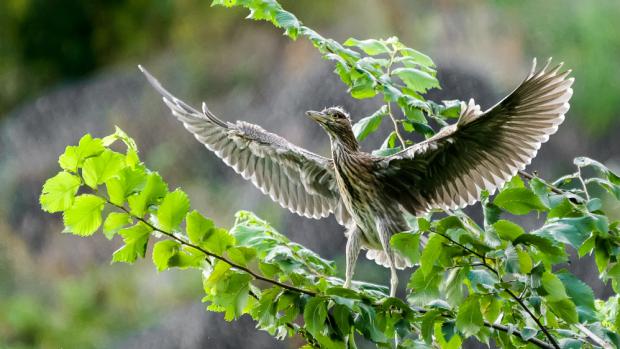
[[347, 283]]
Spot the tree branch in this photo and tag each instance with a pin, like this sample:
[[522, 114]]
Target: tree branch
[[512, 295], [396, 130], [221, 258], [499, 327], [389, 104], [530, 176], [503, 328]]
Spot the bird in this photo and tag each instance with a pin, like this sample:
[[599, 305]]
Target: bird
[[369, 195]]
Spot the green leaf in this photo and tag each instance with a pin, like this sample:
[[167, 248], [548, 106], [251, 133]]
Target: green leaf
[[565, 309], [508, 230], [129, 181], [491, 308], [408, 245], [97, 170], [609, 186], [119, 134], [198, 227], [289, 22], [136, 239], [428, 325], [469, 317], [519, 201], [431, 253], [84, 217], [424, 287], [525, 261], [343, 295], [343, 319], [218, 241], [187, 257], [528, 333], [390, 141], [416, 79], [59, 192], [163, 251], [419, 57], [543, 244], [453, 286], [114, 222], [154, 189], [554, 287], [367, 323], [451, 109], [575, 231], [172, 210], [482, 279], [315, 314], [363, 88], [581, 294], [230, 294], [371, 46], [74, 156], [241, 255], [415, 116], [452, 340], [369, 124], [561, 209]]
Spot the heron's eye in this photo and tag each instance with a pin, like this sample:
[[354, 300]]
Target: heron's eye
[[338, 115]]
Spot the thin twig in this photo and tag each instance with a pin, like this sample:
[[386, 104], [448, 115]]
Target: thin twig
[[395, 122], [517, 333], [538, 323], [389, 104], [598, 340], [503, 328], [530, 176], [221, 258], [583, 184]]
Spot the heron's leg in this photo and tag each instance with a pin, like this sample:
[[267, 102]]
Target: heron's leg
[[353, 249], [384, 234]]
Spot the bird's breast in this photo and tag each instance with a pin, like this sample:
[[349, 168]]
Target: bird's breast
[[360, 193]]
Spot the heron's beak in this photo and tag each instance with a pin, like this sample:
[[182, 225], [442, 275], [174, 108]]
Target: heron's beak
[[317, 116]]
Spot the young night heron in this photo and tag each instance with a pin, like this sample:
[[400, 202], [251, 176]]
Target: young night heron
[[368, 194]]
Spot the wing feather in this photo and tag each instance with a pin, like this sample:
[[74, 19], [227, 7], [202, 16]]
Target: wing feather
[[483, 150], [297, 179]]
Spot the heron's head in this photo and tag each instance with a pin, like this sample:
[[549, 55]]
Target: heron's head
[[336, 122]]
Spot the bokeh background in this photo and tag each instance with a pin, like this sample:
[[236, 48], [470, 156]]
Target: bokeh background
[[68, 67]]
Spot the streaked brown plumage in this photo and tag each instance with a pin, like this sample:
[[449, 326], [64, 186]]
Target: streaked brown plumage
[[368, 194]]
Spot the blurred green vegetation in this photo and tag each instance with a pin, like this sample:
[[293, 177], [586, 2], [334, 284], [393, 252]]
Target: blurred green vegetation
[[585, 35], [44, 42], [97, 309]]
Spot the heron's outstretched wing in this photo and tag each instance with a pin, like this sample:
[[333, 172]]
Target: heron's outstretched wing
[[482, 150], [297, 179]]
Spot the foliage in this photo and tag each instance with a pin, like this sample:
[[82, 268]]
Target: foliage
[[591, 39], [45, 42], [99, 309], [495, 282]]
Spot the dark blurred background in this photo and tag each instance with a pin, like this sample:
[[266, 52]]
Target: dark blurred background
[[68, 67]]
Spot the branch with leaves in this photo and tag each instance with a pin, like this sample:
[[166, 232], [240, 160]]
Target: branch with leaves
[[251, 268], [495, 282]]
